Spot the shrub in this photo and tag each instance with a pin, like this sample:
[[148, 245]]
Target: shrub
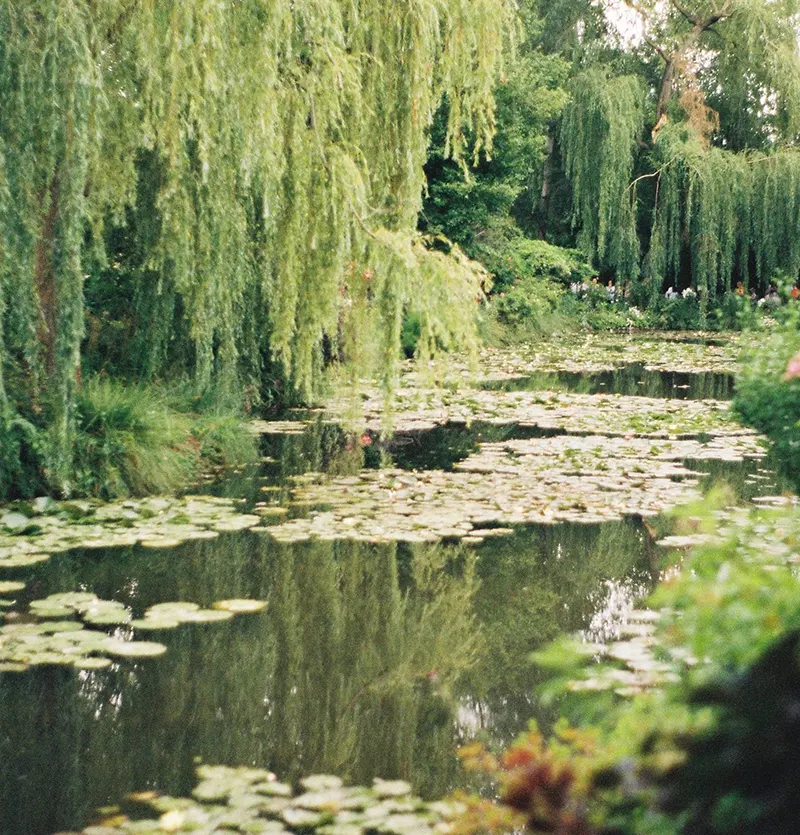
[[510, 256], [768, 399], [681, 312], [531, 304]]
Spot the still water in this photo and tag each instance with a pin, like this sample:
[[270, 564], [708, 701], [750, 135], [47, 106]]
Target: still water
[[632, 380], [369, 660]]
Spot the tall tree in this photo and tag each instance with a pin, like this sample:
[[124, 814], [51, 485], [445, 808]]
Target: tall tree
[[713, 188], [271, 153]]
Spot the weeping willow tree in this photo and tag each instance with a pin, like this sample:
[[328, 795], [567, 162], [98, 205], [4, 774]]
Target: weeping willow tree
[[714, 198], [599, 133], [268, 154], [733, 217]]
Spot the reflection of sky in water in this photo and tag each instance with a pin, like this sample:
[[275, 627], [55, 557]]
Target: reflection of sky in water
[[613, 604]]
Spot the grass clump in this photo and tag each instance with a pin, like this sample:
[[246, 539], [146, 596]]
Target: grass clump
[[139, 440]]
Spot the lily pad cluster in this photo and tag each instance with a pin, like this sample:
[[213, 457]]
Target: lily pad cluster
[[596, 414], [65, 643], [172, 614], [250, 800], [693, 353], [564, 478], [57, 638], [158, 522]]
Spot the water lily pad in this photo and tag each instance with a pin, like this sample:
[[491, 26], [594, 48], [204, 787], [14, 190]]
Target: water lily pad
[[172, 609], [72, 598], [14, 521], [23, 560], [206, 616], [60, 626], [48, 612], [133, 649], [273, 788], [12, 667], [107, 617], [302, 818], [391, 788], [240, 606], [155, 623], [10, 586], [321, 782]]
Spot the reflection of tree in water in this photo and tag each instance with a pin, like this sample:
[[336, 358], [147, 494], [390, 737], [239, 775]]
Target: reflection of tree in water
[[350, 669], [362, 663], [536, 585]]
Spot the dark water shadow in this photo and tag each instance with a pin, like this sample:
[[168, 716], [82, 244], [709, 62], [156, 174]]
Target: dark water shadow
[[631, 380]]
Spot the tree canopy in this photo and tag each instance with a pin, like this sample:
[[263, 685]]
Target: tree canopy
[[689, 160], [254, 167]]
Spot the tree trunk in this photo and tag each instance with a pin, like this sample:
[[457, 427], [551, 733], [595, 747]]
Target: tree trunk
[[665, 93], [547, 176]]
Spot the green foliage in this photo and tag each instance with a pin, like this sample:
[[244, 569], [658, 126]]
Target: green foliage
[[21, 458], [712, 753], [678, 313], [768, 401], [736, 209], [260, 157], [738, 776], [131, 440], [531, 95], [531, 304], [599, 131], [511, 256]]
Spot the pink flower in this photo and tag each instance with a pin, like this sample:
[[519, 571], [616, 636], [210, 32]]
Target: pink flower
[[793, 368]]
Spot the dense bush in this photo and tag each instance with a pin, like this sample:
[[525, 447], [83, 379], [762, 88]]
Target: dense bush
[[511, 256], [768, 398], [530, 304]]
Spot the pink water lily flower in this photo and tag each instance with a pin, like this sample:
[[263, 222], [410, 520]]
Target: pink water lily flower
[[793, 368]]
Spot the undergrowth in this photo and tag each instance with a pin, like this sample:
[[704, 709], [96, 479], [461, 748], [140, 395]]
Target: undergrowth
[[129, 440], [768, 392], [138, 439]]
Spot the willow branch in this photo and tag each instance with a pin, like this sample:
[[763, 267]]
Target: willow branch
[[656, 173]]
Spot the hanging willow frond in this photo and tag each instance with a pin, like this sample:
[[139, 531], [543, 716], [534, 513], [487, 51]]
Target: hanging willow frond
[[724, 211], [264, 148], [599, 132]]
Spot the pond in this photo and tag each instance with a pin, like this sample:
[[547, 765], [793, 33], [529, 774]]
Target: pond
[[379, 650], [634, 380], [370, 660]]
